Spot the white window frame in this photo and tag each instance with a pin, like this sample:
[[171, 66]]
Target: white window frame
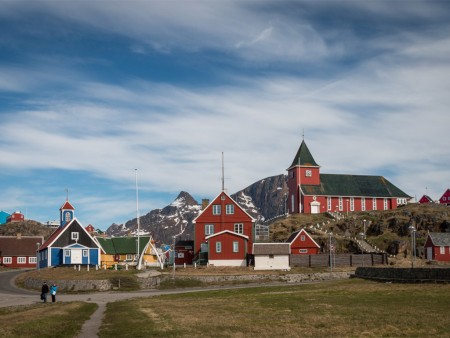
[[442, 250], [239, 228], [308, 173], [341, 203], [209, 229], [21, 260], [229, 209], [216, 209], [328, 203], [129, 257], [235, 246], [385, 204], [67, 253], [374, 204], [218, 247], [363, 204], [32, 260], [85, 252], [75, 236], [302, 238], [303, 250], [352, 204], [7, 260]]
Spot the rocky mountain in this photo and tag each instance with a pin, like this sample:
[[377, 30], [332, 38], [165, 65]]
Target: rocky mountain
[[263, 200]]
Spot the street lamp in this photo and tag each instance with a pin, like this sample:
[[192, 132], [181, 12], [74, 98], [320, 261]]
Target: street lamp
[[330, 249], [364, 223], [413, 244], [37, 254], [362, 251]]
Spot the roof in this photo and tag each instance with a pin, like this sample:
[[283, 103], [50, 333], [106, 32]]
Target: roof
[[425, 199], [303, 157], [122, 245], [67, 206], [18, 246], [226, 232], [271, 249], [353, 185], [440, 238]]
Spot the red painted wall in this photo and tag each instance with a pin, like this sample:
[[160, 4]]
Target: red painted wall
[[436, 252], [308, 244], [445, 199], [223, 221], [227, 240], [15, 264]]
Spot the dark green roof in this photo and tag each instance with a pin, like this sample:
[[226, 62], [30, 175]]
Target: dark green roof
[[440, 238], [353, 185], [304, 157], [122, 245]]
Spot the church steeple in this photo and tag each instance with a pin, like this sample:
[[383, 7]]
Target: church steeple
[[67, 213], [303, 157]]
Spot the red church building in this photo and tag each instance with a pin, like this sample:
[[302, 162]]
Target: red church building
[[445, 199], [224, 232], [311, 192]]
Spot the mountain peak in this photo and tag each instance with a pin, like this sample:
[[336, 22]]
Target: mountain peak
[[184, 198]]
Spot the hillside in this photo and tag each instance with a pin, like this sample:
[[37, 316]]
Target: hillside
[[26, 228]]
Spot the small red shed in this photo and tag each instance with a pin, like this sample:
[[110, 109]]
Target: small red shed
[[301, 243], [227, 248], [184, 252], [445, 199], [15, 217], [19, 251], [425, 199], [437, 247]]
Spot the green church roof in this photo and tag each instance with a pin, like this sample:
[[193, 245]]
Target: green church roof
[[122, 245], [303, 157], [353, 185]]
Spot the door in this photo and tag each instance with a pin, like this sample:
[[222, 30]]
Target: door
[[315, 207], [429, 253], [76, 256]]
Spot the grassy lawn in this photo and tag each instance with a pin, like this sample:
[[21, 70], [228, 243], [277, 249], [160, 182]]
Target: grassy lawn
[[45, 320], [349, 308]]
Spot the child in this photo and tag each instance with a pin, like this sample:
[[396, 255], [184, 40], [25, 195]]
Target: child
[[53, 289]]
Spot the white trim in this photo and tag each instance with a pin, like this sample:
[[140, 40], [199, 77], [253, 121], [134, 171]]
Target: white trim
[[304, 231], [226, 231]]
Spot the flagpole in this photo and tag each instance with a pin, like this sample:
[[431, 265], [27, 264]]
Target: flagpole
[[138, 265]]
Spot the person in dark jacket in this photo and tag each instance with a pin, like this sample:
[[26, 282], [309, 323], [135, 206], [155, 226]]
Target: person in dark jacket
[[53, 289], [44, 291]]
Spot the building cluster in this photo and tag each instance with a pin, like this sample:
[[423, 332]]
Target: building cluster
[[445, 199], [225, 234]]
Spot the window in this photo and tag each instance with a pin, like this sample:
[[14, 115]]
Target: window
[[7, 260], [209, 229], [442, 250], [385, 204], [129, 257], [21, 260], [374, 204], [363, 204], [303, 251], [230, 209], [340, 204], [31, 259], [352, 204], [302, 238], [85, 253], [74, 236], [235, 246], [218, 247], [308, 173], [67, 253], [328, 203], [216, 209], [239, 228]]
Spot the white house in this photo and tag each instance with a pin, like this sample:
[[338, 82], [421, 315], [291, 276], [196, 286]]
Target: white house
[[271, 256]]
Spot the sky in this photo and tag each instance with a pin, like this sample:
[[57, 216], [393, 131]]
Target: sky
[[100, 97]]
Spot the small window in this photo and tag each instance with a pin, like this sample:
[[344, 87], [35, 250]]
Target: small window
[[21, 260], [363, 204], [31, 259], [235, 246], [7, 260], [216, 209], [85, 253], [308, 173], [328, 203], [218, 247], [303, 251], [302, 238], [239, 228], [352, 204], [230, 209], [385, 204], [67, 253], [340, 204], [374, 204], [130, 257], [75, 236], [209, 229], [442, 250]]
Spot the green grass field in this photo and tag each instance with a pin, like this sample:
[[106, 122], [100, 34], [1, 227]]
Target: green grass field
[[350, 308]]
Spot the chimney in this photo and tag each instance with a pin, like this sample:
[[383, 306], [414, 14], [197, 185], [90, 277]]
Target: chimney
[[19, 235], [205, 203]]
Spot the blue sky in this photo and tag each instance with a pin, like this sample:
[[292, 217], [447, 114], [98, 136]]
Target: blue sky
[[92, 90]]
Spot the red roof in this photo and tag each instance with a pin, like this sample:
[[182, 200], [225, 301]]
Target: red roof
[[66, 206], [19, 245]]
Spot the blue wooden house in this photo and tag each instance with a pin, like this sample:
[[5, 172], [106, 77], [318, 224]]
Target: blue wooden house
[[70, 244], [3, 217]]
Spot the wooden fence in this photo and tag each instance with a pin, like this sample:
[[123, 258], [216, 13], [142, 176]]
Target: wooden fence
[[323, 260]]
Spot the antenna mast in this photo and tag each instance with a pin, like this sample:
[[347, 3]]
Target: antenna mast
[[138, 223], [223, 175]]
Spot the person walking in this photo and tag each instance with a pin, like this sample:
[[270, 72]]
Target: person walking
[[53, 290], [44, 291]]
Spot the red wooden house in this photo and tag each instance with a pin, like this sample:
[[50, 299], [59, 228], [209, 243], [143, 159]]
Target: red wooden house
[[223, 215], [425, 199], [437, 247], [184, 252], [311, 192], [19, 251], [16, 216], [227, 248], [445, 199], [301, 243]]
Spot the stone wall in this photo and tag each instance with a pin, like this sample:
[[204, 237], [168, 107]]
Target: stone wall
[[413, 275], [72, 285]]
